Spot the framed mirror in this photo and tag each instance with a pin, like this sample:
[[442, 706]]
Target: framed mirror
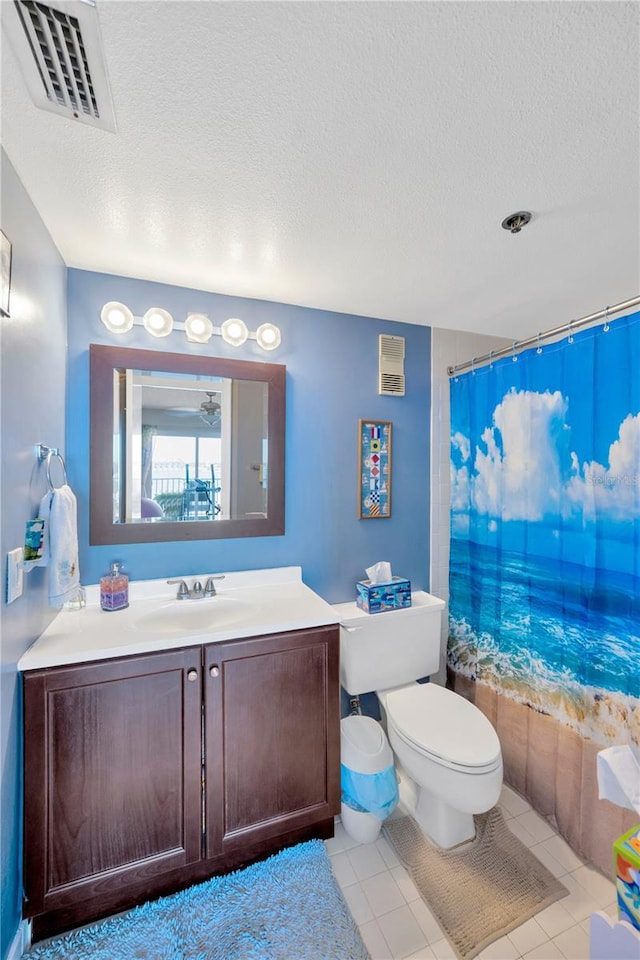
[[184, 447]]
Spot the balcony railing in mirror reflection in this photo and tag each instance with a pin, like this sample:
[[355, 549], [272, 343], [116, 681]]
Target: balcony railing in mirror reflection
[[183, 498]]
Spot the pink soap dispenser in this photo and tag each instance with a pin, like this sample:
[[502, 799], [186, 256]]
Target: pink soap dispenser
[[114, 589]]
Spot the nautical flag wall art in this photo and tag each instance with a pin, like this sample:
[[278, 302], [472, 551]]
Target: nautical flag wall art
[[374, 483]]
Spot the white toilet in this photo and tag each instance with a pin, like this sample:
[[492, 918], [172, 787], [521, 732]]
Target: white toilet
[[447, 753]]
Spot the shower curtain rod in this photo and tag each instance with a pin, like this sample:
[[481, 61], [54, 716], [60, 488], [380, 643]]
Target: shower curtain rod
[[569, 327]]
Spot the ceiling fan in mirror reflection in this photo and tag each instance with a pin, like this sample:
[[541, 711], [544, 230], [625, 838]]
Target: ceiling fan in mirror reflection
[[198, 328], [208, 410]]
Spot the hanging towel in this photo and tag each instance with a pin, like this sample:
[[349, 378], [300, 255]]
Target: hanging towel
[[60, 544]]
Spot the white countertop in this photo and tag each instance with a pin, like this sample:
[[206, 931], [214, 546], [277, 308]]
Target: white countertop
[[270, 601]]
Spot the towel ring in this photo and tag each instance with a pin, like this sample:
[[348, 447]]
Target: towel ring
[[48, 453]]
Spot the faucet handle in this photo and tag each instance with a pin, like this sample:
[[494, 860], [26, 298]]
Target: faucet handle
[[210, 587], [183, 589]]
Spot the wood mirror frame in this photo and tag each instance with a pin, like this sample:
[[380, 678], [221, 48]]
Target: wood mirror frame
[[104, 360]]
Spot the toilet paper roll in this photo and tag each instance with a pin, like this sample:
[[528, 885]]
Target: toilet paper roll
[[619, 777]]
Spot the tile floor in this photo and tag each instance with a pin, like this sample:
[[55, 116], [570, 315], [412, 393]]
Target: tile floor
[[396, 924]]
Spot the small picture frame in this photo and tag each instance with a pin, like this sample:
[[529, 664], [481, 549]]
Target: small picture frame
[[374, 480], [5, 274]]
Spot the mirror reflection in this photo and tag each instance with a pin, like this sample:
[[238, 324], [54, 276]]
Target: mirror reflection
[[189, 448]]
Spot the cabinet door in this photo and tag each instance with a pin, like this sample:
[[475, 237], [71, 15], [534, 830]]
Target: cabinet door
[[272, 737], [112, 775]]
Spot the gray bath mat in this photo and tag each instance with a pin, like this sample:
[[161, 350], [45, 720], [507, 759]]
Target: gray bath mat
[[480, 890]]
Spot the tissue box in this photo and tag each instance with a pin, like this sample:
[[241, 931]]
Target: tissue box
[[626, 858], [379, 597]]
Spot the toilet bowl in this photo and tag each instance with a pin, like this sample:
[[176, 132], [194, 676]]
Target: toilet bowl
[[446, 752], [449, 758]]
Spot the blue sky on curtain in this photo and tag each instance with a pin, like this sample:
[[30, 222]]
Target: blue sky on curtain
[[545, 558]]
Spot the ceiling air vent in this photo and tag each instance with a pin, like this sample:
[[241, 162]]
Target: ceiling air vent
[[59, 48], [391, 366]]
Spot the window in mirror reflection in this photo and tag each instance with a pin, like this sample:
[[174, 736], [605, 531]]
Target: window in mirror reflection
[[188, 448]]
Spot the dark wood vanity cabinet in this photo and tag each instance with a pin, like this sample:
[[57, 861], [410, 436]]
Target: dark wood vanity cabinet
[[147, 773]]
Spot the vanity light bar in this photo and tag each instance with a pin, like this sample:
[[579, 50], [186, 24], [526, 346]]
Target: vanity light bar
[[198, 328]]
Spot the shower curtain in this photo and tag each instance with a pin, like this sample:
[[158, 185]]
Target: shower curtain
[[544, 630]]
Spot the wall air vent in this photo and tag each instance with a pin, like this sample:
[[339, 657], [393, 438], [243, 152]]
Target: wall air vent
[[59, 48], [391, 366]]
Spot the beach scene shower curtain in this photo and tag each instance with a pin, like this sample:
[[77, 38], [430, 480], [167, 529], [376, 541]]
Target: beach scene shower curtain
[[544, 631]]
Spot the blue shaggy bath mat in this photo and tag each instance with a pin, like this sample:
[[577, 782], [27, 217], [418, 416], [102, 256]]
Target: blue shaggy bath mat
[[288, 907]]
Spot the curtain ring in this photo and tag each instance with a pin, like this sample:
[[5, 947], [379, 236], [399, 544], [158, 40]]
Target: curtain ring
[[606, 320], [570, 337], [539, 348], [473, 366], [490, 359], [513, 351]]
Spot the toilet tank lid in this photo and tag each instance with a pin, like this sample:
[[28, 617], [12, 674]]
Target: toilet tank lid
[[350, 613], [364, 747], [443, 723]]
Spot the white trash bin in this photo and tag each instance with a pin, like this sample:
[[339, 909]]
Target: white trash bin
[[364, 749]]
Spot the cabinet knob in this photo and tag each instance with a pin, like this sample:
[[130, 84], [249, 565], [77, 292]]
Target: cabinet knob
[[214, 671], [192, 675]]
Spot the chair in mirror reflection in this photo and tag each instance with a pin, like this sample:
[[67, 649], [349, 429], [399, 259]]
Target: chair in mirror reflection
[[200, 499]]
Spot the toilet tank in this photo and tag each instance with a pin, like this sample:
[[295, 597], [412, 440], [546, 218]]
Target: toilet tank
[[383, 650]]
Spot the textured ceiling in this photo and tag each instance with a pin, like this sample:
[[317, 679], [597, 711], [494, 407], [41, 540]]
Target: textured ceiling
[[355, 156]]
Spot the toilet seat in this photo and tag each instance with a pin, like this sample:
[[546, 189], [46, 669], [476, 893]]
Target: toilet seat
[[444, 727]]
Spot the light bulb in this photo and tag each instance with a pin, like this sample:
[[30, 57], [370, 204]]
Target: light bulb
[[268, 336], [234, 331], [116, 317], [198, 328], [158, 322]]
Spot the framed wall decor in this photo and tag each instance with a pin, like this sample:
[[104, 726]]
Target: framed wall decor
[[374, 483], [5, 274]]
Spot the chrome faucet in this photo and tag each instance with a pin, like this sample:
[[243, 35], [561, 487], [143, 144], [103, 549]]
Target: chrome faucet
[[196, 592]]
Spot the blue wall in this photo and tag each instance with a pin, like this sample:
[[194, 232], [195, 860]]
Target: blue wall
[[33, 362], [332, 363]]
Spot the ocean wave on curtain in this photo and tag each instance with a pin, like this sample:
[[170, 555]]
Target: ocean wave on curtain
[[544, 630]]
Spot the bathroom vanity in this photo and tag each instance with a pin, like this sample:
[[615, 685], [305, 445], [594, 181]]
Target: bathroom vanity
[[165, 751]]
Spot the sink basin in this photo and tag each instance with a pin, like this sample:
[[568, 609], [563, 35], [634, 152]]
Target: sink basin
[[182, 618]]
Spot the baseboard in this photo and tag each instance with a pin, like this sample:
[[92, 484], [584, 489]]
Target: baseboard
[[20, 942]]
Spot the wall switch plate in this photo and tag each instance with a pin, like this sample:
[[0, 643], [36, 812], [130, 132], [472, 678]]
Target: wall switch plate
[[15, 574]]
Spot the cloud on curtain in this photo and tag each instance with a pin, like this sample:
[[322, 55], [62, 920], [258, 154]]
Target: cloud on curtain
[[525, 474]]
